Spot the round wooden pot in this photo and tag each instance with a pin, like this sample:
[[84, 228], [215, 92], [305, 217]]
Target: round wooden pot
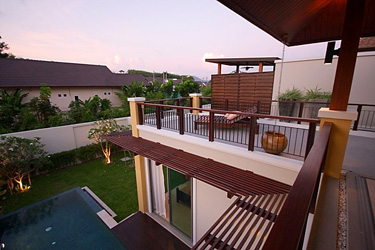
[[274, 142]]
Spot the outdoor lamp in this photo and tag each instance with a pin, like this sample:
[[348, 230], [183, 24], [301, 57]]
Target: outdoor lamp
[[331, 51]]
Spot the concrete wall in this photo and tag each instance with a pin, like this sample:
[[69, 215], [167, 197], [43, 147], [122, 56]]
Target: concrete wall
[[211, 204], [308, 74], [64, 138], [61, 97]]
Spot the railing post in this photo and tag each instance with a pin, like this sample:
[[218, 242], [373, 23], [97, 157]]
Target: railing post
[[177, 102], [158, 118], [300, 111], [258, 107], [356, 123], [310, 137], [135, 105], [191, 104], [162, 113], [140, 114], [226, 104], [181, 120], [211, 127], [195, 97], [253, 125]]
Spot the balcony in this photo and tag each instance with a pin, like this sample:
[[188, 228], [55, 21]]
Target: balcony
[[246, 132]]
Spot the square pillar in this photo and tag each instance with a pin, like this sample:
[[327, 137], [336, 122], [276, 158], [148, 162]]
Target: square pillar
[[342, 121], [196, 102], [134, 113], [139, 161]]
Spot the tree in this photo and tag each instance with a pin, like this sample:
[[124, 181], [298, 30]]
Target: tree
[[11, 106], [167, 89], [19, 157], [104, 127], [133, 90], [90, 109], [42, 106], [3, 47], [186, 88]]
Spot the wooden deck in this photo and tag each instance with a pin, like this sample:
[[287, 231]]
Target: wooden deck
[[141, 232]]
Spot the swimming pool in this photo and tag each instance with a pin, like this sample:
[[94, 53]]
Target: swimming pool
[[64, 221]]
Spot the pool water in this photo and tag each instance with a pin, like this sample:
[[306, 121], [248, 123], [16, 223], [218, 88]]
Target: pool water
[[65, 221]]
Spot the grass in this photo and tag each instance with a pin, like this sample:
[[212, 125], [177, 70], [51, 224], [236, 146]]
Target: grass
[[115, 184]]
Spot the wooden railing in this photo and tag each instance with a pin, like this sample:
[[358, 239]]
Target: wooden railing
[[304, 109], [179, 118], [175, 101], [289, 229]]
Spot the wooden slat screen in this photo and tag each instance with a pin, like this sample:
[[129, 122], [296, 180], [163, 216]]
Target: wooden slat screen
[[243, 90]]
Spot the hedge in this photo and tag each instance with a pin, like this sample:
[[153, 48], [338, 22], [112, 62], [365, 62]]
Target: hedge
[[73, 157]]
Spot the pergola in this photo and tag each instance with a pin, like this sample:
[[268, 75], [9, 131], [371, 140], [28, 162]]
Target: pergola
[[250, 61]]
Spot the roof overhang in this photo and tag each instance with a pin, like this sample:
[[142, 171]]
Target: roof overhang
[[250, 61], [297, 22]]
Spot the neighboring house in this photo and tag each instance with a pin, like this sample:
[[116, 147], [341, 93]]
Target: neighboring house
[[68, 81]]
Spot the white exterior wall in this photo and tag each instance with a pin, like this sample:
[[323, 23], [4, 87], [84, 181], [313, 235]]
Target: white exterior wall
[[211, 204], [63, 138], [308, 74], [83, 93]]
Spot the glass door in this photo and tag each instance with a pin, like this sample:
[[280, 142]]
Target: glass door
[[180, 201], [171, 197]]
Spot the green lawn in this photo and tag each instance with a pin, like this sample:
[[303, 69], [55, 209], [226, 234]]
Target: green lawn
[[115, 184]]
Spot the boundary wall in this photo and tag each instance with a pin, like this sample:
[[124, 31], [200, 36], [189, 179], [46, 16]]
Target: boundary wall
[[64, 138]]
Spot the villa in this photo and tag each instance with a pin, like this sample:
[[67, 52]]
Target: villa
[[234, 174], [213, 195]]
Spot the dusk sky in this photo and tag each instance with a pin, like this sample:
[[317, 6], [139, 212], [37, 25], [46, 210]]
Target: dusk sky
[[163, 35]]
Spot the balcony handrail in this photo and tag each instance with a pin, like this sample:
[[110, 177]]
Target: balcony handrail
[[216, 111], [328, 102], [169, 99], [289, 229]]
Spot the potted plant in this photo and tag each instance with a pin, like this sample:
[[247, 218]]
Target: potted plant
[[289, 108], [321, 98], [274, 142]]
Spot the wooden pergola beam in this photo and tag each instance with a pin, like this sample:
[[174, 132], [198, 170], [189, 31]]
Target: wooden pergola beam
[[348, 54]]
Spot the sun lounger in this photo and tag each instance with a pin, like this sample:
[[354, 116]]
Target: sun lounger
[[227, 121]]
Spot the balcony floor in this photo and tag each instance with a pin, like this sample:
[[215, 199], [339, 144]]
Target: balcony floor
[[139, 231]]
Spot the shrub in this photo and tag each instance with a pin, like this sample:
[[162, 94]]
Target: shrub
[[293, 94], [317, 93]]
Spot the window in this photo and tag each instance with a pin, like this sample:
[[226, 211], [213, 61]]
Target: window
[[65, 95], [76, 97], [105, 93], [58, 95], [109, 93]]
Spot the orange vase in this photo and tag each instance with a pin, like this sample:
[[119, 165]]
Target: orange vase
[[274, 142]]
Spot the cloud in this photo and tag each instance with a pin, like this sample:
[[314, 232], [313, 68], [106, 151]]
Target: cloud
[[117, 59], [211, 55]]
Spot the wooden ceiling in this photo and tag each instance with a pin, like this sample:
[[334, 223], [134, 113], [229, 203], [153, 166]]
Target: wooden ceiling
[[297, 22]]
